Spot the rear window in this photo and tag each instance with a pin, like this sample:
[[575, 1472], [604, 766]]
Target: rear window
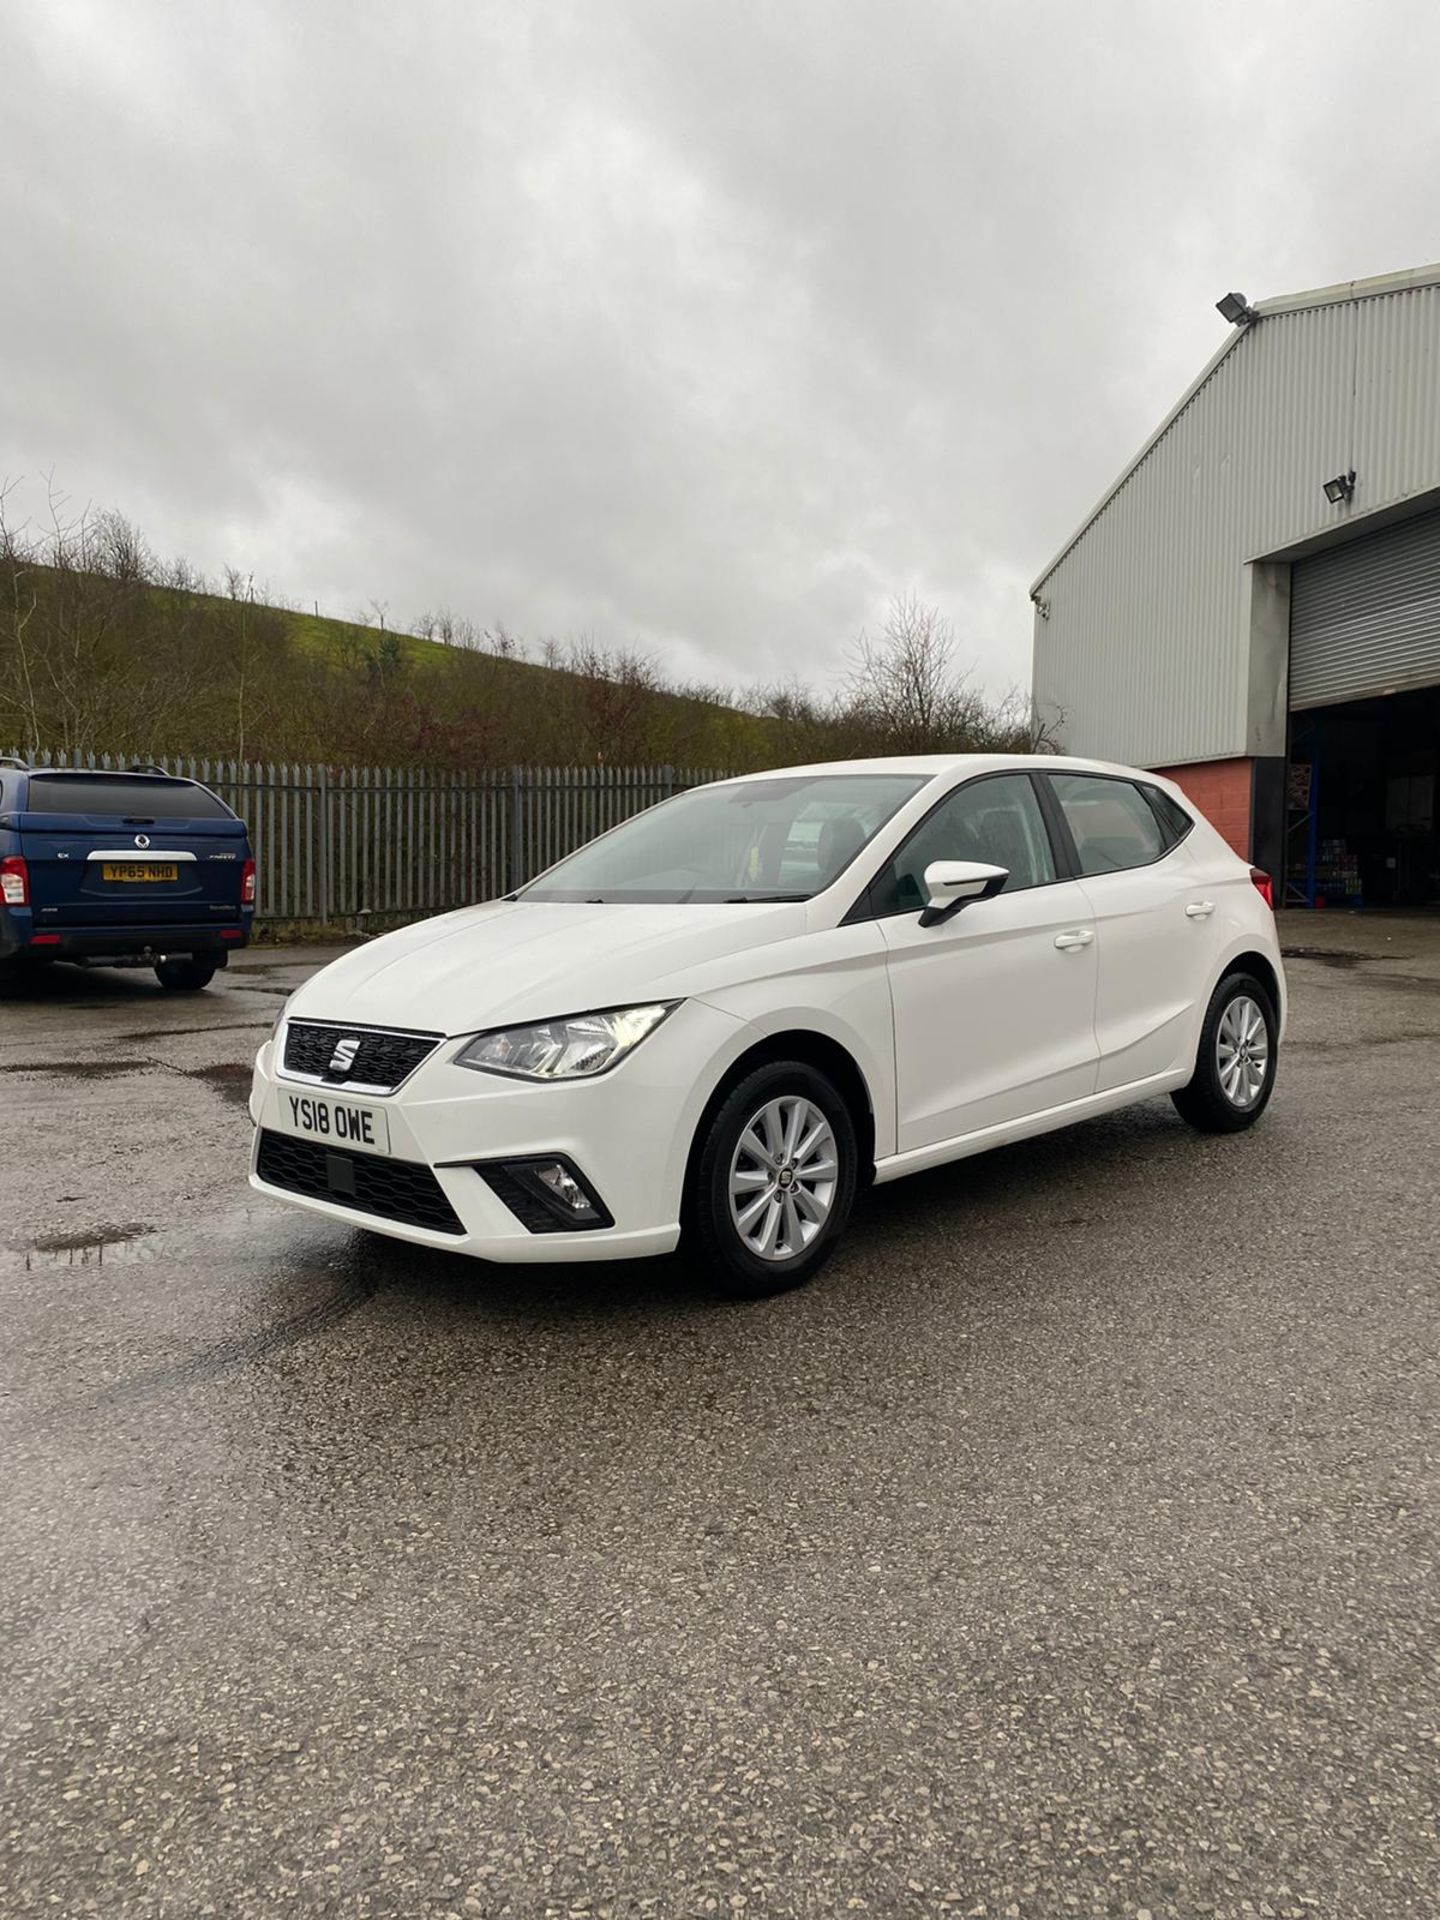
[[1175, 823], [124, 796]]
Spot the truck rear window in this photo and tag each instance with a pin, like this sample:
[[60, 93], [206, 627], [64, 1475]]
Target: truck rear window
[[124, 797]]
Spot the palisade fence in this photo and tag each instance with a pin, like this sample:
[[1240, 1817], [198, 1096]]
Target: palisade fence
[[388, 844]]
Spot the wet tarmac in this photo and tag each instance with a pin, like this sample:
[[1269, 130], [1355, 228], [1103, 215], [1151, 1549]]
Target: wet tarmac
[[1069, 1548]]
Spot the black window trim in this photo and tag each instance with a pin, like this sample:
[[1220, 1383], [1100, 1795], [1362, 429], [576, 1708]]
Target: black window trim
[[1143, 787], [1061, 853]]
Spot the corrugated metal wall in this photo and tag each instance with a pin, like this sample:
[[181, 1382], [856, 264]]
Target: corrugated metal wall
[[1365, 618], [1146, 648]]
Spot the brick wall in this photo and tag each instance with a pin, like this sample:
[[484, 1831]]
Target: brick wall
[[1221, 790]]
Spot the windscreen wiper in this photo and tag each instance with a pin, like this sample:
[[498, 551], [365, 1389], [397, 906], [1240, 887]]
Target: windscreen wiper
[[745, 899]]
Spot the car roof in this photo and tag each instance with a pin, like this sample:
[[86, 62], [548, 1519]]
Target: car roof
[[934, 766]]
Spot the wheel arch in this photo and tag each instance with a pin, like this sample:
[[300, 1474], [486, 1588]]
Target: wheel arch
[[816, 1050], [1251, 960]]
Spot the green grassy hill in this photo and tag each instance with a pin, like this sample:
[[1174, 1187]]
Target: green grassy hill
[[115, 658]]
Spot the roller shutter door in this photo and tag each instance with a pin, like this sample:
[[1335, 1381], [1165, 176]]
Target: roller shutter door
[[1365, 618]]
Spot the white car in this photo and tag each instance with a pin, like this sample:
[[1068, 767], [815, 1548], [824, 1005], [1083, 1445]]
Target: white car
[[711, 1026]]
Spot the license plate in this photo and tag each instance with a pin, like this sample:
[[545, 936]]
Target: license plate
[[138, 870], [317, 1117]]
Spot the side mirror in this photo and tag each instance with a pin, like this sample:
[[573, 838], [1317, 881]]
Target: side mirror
[[953, 884]]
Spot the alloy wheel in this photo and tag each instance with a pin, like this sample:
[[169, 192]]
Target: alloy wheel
[[1242, 1052], [782, 1177]]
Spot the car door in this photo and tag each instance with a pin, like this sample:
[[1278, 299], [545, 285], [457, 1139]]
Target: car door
[[994, 1007], [1153, 920]]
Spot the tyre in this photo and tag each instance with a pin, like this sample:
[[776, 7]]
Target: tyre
[[1235, 1066], [773, 1182], [185, 976]]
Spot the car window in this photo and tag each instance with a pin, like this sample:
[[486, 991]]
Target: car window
[[1112, 823], [996, 820], [1175, 822], [123, 797], [787, 837]]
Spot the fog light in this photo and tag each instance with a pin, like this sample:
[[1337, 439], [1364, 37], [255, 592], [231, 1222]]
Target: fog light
[[566, 1189], [547, 1194]]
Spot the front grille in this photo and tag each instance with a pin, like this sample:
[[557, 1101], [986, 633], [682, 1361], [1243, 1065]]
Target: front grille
[[367, 1182], [381, 1060]]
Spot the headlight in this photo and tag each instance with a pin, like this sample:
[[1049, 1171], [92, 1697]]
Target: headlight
[[574, 1049]]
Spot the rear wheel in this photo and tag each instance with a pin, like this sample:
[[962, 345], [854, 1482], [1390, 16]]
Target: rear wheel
[[774, 1181], [1235, 1066], [185, 976]]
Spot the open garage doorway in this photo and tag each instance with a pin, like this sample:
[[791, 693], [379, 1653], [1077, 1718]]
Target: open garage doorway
[[1361, 792]]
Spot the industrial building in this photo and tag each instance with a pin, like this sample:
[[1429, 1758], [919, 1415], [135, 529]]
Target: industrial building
[[1254, 606]]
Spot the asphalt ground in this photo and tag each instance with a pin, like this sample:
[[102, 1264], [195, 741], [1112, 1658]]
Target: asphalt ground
[[1068, 1548]]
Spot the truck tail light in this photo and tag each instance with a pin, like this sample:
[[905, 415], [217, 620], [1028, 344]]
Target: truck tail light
[[1263, 885], [14, 881], [247, 884]]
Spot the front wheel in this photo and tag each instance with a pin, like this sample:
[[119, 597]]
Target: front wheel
[[1235, 1066], [774, 1181], [185, 976]]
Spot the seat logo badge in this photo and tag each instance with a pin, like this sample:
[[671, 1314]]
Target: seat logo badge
[[142, 839], [343, 1058]]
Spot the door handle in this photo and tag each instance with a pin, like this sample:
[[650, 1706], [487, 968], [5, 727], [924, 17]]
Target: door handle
[[1199, 909], [1073, 942]]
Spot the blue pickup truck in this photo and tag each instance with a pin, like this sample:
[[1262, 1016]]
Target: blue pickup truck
[[121, 870]]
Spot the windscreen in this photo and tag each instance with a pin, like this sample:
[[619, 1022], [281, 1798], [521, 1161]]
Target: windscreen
[[123, 797], [776, 839]]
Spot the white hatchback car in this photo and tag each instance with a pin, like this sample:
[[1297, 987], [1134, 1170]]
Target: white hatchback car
[[713, 1024]]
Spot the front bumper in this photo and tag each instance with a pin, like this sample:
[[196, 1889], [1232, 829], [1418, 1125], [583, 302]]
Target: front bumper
[[628, 1132]]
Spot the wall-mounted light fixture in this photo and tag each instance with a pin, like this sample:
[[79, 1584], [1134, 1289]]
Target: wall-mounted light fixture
[[1235, 308], [1342, 487]]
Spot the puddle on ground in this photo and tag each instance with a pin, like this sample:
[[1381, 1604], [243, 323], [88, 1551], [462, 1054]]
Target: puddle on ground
[[169, 1033], [243, 1234], [78, 1069], [231, 1078], [1330, 956], [91, 1241]]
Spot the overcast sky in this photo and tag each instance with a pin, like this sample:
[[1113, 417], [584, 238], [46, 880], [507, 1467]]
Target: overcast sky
[[699, 324]]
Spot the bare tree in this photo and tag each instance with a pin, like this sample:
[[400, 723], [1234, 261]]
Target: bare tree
[[17, 663], [905, 689]]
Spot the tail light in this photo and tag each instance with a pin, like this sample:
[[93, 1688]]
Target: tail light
[[14, 881], [1264, 886], [247, 884]]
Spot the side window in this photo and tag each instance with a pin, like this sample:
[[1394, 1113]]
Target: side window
[[1175, 822], [996, 820], [1111, 821]]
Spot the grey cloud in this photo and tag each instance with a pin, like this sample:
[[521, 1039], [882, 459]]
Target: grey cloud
[[704, 327]]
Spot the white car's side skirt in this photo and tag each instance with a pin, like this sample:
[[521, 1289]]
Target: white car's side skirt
[[896, 1165]]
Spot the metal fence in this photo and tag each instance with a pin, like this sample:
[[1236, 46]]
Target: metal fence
[[396, 843]]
